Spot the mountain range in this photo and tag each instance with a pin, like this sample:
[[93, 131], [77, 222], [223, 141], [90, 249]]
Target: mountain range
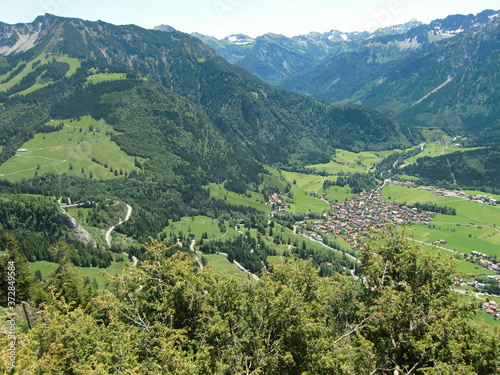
[[420, 75], [172, 101], [275, 58]]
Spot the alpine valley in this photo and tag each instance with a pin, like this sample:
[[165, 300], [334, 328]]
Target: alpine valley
[[322, 204]]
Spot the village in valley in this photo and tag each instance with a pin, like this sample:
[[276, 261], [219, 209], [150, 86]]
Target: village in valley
[[368, 211], [362, 213]]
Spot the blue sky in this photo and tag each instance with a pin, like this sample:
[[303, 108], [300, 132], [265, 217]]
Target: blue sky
[[221, 18]]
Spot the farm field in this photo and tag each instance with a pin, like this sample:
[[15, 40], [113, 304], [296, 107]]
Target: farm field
[[219, 263], [46, 268], [73, 150], [463, 266], [255, 200], [275, 179], [483, 319], [196, 226], [346, 162], [338, 193], [434, 149], [475, 227], [104, 77], [302, 185]]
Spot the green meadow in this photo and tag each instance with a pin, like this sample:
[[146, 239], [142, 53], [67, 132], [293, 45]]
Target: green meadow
[[432, 134], [302, 185], [219, 263], [474, 227], [346, 162], [434, 149], [101, 275], [275, 179], [81, 148], [463, 266], [338, 193], [255, 200], [104, 77], [73, 63], [196, 225], [482, 319]]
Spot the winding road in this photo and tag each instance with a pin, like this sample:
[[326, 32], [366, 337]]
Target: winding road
[[108, 233]]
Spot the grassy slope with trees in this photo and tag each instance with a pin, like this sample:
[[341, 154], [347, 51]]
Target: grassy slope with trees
[[184, 320], [188, 149]]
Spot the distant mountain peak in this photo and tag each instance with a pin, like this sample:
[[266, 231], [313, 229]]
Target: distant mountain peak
[[165, 28], [397, 29]]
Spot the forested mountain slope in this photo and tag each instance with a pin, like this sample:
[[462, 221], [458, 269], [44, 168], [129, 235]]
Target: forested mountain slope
[[273, 125]]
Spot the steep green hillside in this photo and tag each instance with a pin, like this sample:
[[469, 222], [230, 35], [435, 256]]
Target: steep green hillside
[[475, 169], [243, 108], [79, 148]]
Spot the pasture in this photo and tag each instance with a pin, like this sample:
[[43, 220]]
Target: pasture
[[346, 162], [73, 63], [434, 149], [196, 226], [104, 77], [81, 148], [302, 185], [219, 263], [101, 275], [252, 199], [475, 227]]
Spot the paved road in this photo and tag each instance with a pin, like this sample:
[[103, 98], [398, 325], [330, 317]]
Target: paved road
[[328, 247], [437, 247], [108, 233]]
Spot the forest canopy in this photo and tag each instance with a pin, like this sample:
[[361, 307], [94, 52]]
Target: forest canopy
[[169, 316]]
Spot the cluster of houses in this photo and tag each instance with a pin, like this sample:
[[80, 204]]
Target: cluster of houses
[[364, 212], [275, 201], [492, 308], [480, 198], [485, 260]]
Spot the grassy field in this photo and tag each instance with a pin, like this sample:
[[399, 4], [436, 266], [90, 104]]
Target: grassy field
[[73, 63], [103, 77], [302, 185], [432, 134], [256, 200], [47, 268], [475, 227], [275, 180], [72, 150], [462, 266], [15, 80], [434, 149], [346, 162], [196, 225], [338, 193], [482, 319], [219, 263]]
